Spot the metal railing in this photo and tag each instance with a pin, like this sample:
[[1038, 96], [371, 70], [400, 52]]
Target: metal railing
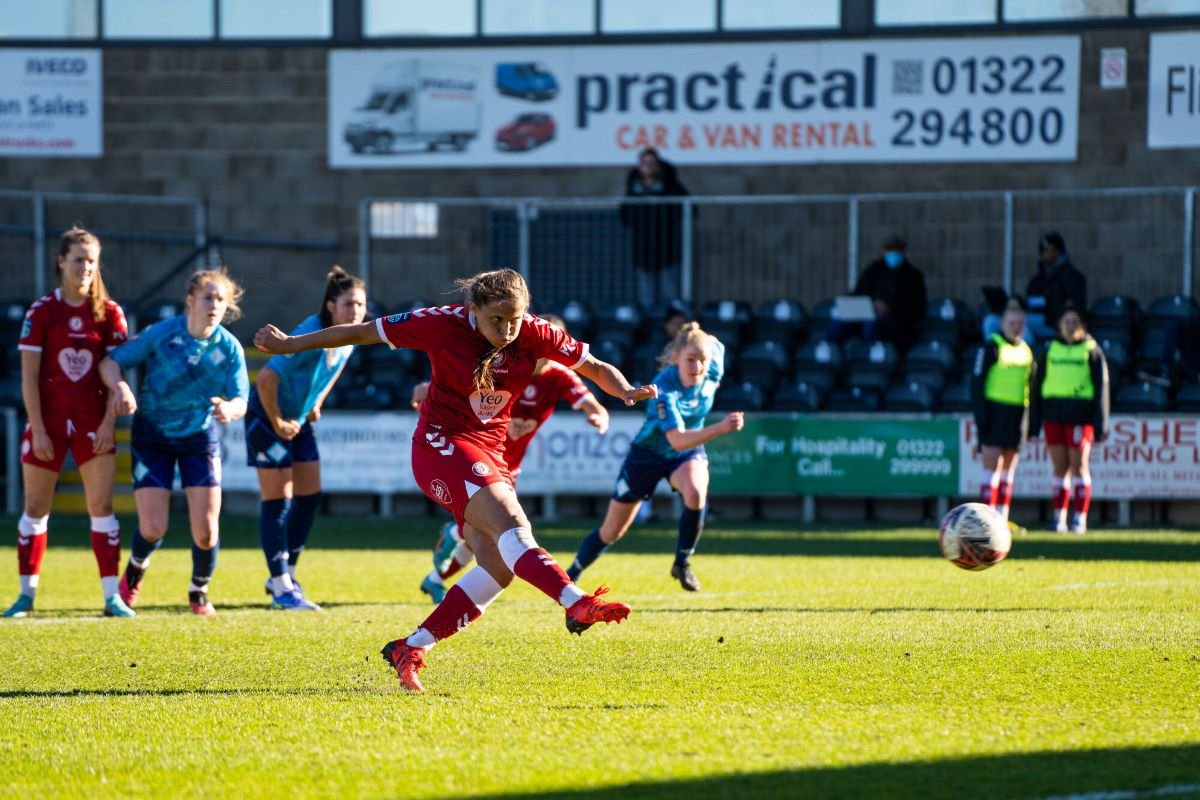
[[1132, 241]]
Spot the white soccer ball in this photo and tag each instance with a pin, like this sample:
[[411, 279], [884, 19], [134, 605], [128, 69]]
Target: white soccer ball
[[974, 536]]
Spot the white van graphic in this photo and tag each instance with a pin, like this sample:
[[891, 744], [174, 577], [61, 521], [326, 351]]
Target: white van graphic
[[417, 102]]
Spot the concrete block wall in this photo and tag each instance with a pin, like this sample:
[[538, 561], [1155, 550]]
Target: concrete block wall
[[245, 128]]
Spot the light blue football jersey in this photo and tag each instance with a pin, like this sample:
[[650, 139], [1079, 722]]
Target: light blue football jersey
[[181, 373], [679, 407], [304, 376]]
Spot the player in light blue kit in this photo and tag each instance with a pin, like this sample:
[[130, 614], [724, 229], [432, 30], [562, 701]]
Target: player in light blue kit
[[194, 374], [670, 445], [285, 402]]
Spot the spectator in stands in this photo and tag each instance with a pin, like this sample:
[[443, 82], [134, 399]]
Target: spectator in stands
[[1056, 282], [897, 290], [656, 229], [1070, 399]]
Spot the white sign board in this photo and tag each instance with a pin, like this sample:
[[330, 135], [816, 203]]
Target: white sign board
[[1143, 457], [1114, 68], [372, 453], [910, 100], [51, 103], [1173, 109]]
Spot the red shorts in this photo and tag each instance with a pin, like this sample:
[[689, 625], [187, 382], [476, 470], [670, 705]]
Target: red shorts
[[1068, 435], [63, 436], [450, 470]]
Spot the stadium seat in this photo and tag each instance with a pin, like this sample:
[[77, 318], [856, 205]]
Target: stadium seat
[[621, 323], [819, 318], [643, 362], [827, 355], [612, 351], [966, 362], [948, 320], [1141, 398], [929, 375], [932, 353], [1116, 353], [578, 316], [370, 397], [657, 313], [879, 355], [1171, 307], [958, 397], [1150, 351], [375, 310], [359, 363], [798, 396], [783, 321], [1188, 398], [739, 397], [1114, 317], [157, 311], [392, 366], [763, 362], [854, 398], [728, 320], [909, 396], [867, 378]]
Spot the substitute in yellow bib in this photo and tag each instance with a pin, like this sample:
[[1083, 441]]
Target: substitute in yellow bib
[[1070, 400], [1000, 386]]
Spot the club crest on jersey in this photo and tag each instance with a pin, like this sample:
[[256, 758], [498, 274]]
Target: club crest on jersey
[[530, 392], [441, 492], [498, 360], [481, 469], [487, 405], [75, 324]]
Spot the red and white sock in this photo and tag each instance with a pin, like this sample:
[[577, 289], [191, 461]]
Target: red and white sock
[[535, 566], [1004, 495], [464, 603], [31, 547], [989, 480], [463, 555], [106, 545], [1083, 500], [1061, 497]]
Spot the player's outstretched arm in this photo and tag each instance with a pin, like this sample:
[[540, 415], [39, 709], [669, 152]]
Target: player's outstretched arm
[[681, 439], [272, 340], [121, 399], [610, 379]]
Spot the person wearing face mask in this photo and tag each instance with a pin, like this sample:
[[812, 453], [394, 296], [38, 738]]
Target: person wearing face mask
[[897, 291]]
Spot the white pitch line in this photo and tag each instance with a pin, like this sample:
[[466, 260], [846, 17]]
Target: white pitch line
[[1130, 794]]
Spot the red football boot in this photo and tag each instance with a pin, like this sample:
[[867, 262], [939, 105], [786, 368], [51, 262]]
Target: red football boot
[[407, 661], [590, 609]]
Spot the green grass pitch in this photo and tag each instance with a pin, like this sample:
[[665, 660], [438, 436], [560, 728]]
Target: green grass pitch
[[832, 662]]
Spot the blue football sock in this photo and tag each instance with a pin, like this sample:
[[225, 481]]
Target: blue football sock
[[299, 523], [691, 525], [272, 534], [141, 550], [591, 548], [203, 564]]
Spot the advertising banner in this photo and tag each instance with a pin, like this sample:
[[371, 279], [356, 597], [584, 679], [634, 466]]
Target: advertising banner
[[1146, 457], [372, 453], [909, 100], [51, 103], [827, 456], [1173, 106]]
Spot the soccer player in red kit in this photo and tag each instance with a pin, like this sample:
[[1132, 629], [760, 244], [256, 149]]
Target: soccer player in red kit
[[483, 353], [551, 383], [65, 336]]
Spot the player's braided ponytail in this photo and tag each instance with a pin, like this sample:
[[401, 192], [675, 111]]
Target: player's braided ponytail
[[495, 286]]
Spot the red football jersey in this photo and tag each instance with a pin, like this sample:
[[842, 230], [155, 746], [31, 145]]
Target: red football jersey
[[448, 335], [537, 403], [72, 345]]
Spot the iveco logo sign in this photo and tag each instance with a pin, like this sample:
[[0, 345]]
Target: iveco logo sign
[[55, 66]]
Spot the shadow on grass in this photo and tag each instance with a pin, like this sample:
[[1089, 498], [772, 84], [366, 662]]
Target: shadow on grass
[[847, 610], [751, 539], [1102, 774]]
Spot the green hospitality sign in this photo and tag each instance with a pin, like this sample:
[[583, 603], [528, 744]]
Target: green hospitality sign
[[838, 456]]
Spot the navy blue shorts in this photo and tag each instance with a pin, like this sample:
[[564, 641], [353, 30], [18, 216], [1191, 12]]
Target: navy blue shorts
[[264, 448], [155, 457], [643, 469]]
